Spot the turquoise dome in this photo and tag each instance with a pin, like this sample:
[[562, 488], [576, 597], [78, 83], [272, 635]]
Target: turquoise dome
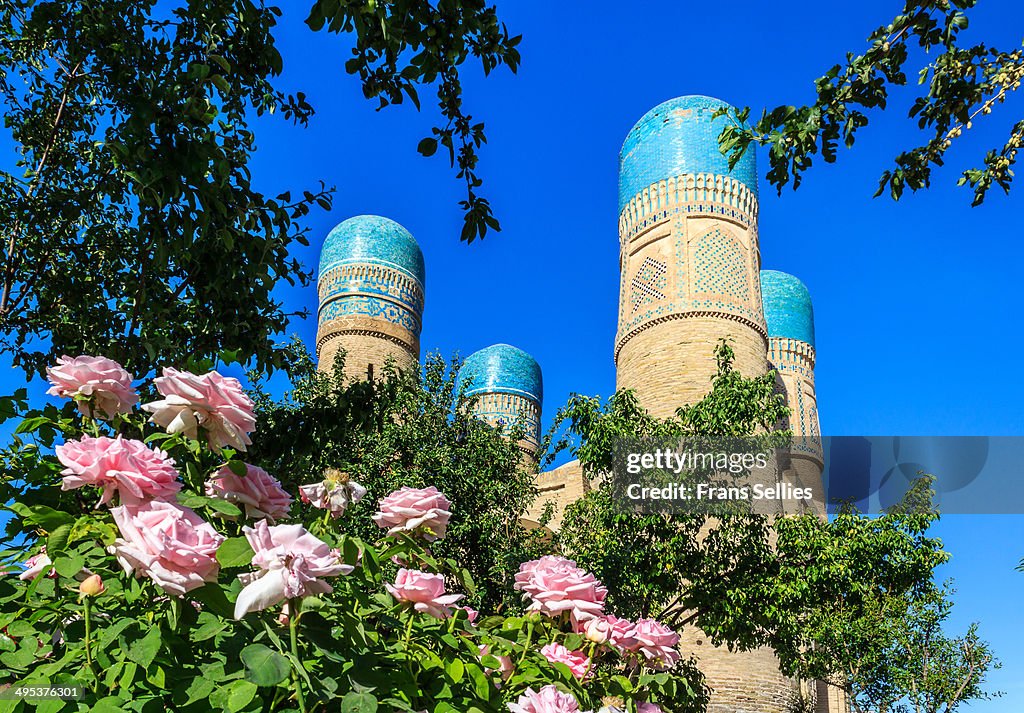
[[502, 368], [676, 137], [372, 239], [787, 307]]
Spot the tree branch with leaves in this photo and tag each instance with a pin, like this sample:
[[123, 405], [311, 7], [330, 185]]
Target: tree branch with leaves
[[959, 84]]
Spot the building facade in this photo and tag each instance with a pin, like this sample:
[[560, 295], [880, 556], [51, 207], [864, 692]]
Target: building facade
[[690, 270]]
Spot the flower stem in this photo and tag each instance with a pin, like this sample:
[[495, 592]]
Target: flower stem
[[293, 625], [529, 639], [88, 641]]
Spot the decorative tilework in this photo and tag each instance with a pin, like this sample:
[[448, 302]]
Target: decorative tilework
[[649, 283], [676, 137], [510, 410], [363, 279], [375, 240], [502, 368], [720, 268], [372, 267], [787, 306], [688, 194], [373, 307]]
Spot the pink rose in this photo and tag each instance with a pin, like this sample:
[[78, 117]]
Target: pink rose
[[471, 614], [212, 402], [423, 510], [609, 629], [36, 564], [291, 563], [96, 383], [334, 493], [168, 543], [130, 468], [547, 700], [424, 591], [505, 666], [555, 585], [649, 708], [260, 492], [656, 643], [577, 661]]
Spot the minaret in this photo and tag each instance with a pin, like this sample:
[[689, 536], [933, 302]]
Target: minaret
[[790, 319], [689, 256], [507, 385], [690, 276], [371, 297]]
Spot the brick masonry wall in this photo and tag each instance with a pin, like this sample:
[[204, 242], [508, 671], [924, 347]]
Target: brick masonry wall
[[366, 342], [672, 363]]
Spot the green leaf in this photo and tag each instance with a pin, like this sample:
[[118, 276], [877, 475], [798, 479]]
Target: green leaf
[[69, 566], [238, 467], [110, 704], [234, 552], [200, 688], [358, 703], [58, 540], [427, 147], [239, 694], [264, 666], [144, 651], [223, 507], [46, 517], [456, 670], [212, 596]]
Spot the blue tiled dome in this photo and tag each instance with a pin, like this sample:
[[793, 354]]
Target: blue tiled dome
[[501, 368], [372, 239], [677, 137], [787, 306]]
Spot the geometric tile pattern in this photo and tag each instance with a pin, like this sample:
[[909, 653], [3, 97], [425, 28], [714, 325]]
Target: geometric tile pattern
[[649, 282]]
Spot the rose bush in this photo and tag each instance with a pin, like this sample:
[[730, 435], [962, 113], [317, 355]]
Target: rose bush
[[160, 572]]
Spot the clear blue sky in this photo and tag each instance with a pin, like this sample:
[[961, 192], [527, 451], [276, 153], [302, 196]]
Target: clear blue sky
[[917, 304]]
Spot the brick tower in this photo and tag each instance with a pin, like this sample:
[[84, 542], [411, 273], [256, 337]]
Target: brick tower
[[790, 319], [371, 297], [507, 385], [690, 276], [689, 256]]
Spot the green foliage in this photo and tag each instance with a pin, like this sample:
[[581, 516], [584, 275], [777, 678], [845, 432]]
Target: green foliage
[[896, 655], [134, 228], [959, 85], [402, 44], [809, 588], [417, 430], [132, 225]]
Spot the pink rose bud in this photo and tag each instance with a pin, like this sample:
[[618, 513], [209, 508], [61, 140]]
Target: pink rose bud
[[598, 630], [91, 586]]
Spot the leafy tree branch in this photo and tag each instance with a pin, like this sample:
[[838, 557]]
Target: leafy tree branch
[[959, 85]]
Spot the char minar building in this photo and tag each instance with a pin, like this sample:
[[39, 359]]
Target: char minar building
[[690, 268]]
